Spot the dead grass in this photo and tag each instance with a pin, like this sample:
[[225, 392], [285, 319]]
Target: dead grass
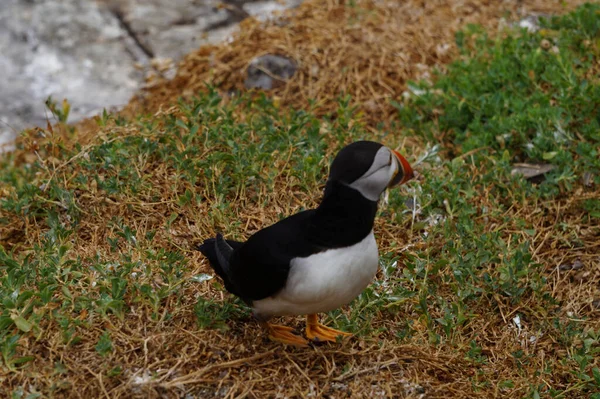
[[368, 51]]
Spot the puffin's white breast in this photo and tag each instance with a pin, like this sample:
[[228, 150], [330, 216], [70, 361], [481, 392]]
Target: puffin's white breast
[[324, 281]]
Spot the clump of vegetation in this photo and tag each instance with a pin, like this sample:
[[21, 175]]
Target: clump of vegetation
[[488, 282], [534, 95]]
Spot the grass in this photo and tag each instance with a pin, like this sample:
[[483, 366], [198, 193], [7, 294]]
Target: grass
[[535, 97], [478, 293]]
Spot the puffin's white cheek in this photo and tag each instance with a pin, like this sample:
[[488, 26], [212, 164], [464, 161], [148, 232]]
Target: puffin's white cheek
[[378, 181], [373, 185]]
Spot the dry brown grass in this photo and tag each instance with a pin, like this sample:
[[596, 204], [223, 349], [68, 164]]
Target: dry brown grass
[[369, 51]]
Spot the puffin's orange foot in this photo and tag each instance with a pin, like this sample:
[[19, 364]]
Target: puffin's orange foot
[[318, 332], [284, 335]]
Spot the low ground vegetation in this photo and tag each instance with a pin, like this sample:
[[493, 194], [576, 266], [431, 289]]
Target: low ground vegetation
[[489, 282]]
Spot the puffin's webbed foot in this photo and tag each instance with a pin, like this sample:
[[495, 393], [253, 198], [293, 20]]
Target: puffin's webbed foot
[[318, 332], [284, 335]]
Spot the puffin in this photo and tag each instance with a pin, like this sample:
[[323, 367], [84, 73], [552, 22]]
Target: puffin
[[319, 259]]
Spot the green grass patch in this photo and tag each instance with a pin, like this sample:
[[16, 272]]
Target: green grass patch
[[535, 95]]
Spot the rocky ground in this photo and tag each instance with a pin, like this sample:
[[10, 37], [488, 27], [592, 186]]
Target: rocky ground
[[97, 54]]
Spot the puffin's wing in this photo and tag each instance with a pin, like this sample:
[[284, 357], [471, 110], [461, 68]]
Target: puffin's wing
[[260, 267]]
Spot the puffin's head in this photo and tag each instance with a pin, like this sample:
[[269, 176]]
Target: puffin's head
[[370, 168]]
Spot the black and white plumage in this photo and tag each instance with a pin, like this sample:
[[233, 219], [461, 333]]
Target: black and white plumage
[[319, 259]]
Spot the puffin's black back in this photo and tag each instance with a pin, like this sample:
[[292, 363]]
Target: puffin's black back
[[259, 267]]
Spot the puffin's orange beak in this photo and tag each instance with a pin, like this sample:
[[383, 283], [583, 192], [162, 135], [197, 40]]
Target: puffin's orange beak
[[407, 172]]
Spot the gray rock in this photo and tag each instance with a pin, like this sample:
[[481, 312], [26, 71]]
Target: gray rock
[[268, 71], [571, 266], [171, 29], [65, 49], [97, 54], [263, 10], [533, 172]]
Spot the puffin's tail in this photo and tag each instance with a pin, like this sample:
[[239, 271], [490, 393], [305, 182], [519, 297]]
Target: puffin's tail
[[218, 251]]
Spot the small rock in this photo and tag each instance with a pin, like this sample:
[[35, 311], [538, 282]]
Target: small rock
[[575, 266], [533, 172], [268, 71], [268, 10], [596, 303]]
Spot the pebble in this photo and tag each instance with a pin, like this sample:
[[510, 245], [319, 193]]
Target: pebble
[[268, 71], [574, 266]]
